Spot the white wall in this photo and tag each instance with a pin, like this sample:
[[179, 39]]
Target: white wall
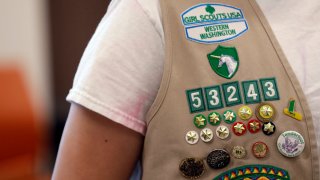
[[24, 43]]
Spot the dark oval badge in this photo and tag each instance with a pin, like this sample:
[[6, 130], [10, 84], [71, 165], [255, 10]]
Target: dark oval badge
[[192, 168], [218, 159]]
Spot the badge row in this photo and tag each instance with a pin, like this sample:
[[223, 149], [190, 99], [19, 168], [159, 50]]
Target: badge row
[[265, 112], [222, 132], [210, 98]]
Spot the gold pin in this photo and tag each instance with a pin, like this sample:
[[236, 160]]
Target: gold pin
[[239, 152], [192, 137], [265, 112], [222, 132], [206, 135], [245, 112], [214, 118]]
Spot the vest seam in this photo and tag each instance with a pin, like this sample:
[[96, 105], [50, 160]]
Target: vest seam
[[166, 77]]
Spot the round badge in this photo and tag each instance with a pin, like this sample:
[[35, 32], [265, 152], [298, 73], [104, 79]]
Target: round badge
[[290, 143], [245, 112], [206, 135], [239, 128], [254, 126], [222, 132], [200, 121], [218, 159], [260, 149], [192, 137], [191, 168], [239, 152], [229, 116], [265, 112], [268, 128], [214, 118]]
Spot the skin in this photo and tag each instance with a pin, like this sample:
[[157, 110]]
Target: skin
[[94, 147]]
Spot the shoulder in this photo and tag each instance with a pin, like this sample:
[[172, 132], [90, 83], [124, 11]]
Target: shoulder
[[153, 11]]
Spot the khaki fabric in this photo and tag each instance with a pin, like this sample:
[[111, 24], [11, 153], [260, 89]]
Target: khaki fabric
[[187, 67]]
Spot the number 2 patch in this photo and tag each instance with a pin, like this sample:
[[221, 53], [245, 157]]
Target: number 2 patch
[[231, 93]]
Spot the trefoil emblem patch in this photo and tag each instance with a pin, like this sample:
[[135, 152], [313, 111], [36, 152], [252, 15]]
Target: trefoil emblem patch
[[224, 61]]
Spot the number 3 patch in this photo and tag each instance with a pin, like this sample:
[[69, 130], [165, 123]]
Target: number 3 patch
[[270, 89], [213, 96]]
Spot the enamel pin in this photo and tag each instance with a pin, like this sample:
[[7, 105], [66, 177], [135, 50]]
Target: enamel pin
[[290, 111]]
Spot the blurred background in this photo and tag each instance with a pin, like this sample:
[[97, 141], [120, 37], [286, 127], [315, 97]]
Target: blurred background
[[41, 43]]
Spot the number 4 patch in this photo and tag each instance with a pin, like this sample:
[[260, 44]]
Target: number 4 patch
[[251, 92], [270, 89]]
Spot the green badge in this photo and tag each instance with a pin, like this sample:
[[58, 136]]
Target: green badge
[[214, 118], [229, 116], [224, 61], [200, 121]]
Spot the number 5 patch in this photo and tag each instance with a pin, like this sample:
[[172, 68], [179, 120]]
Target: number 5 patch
[[270, 89], [196, 101]]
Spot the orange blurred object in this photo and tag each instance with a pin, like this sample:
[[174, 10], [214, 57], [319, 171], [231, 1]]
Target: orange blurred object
[[20, 132]]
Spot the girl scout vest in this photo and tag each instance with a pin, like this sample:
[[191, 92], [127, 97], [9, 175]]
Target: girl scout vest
[[229, 105]]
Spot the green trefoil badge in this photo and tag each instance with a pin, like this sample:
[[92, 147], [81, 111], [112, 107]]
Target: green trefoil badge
[[224, 61], [210, 9]]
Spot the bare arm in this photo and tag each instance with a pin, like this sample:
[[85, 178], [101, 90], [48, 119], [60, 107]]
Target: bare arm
[[94, 147]]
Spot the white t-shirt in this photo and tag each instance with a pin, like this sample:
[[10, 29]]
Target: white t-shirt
[[121, 69]]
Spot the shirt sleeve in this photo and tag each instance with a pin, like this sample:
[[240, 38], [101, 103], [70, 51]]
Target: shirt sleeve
[[120, 71]]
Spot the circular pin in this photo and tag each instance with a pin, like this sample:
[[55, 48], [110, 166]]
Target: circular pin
[[191, 168], [245, 112], [214, 118], [192, 137], [290, 143], [206, 135], [265, 112], [254, 126], [260, 149], [229, 116], [268, 128], [222, 132], [239, 152], [239, 128], [218, 159], [200, 121]]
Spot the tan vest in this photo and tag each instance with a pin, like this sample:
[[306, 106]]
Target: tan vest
[[199, 35]]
